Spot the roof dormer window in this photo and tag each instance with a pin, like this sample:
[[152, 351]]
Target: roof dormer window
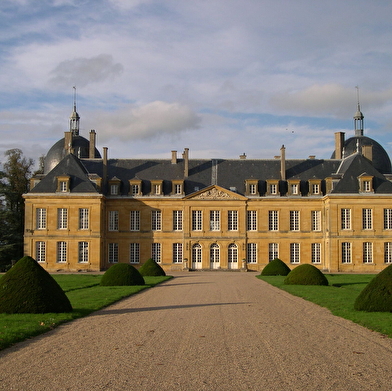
[[63, 184]]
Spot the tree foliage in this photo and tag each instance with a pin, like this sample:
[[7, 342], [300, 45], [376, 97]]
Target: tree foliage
[[14, 182]]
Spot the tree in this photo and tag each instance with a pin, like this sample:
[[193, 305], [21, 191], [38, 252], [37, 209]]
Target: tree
[[14, 182]]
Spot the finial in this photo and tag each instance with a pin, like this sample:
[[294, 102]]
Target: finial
[[74, 96]]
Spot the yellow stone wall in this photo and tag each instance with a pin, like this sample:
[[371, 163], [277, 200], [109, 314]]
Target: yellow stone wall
[[98, 236]]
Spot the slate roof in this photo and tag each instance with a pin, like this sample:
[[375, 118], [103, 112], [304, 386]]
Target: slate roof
[[230, 174], [70, 166]]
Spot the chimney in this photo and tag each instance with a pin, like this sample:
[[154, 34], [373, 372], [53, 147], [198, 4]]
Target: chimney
[[174, 157], [243, 156], [105, 167], [367, 151], [283, 163], [185, 156], [339, 145], [68, 142], [91, 152]]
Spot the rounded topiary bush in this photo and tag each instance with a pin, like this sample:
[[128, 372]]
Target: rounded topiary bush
[[151, 268], [28, 288], [306, 275], [276, 268], [122, 274], [377, 295]]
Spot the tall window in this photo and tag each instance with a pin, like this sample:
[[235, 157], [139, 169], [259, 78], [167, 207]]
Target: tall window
[[367, 218], [251, 221], [346, 218], [273, 251], [83, 218], [214, 253], [177, 220], [177, 252], [294, 220], [214, 220], [41, 218], [232, 253], [156, 220], [62, 218], [388, 218], [134, 218], [388, 252], [196, 253], [83, 252], [156, 252], [40, 251], [316, 220], [316, 253], [367, 252], [232, 220], [113, 220], [346, 252], [134, 253], [197, 222], [113, 253], [294, 253], [273, 220], [61, 252], [251, 253]]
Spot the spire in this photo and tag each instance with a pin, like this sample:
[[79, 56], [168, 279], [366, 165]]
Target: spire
[[358, 118], [74, 118]]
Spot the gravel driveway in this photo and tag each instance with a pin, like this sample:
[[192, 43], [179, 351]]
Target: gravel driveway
[[203, 331]]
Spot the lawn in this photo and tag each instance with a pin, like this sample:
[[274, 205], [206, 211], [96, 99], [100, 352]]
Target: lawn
[[86, 296], [339, 298]]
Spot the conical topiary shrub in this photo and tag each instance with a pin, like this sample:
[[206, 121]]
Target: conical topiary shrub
[[377, 295], [276, 268], [151, 268], [306, 275], [28, 288], [122, 274]]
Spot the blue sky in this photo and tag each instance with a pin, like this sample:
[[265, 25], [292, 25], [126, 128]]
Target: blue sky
[[221, 77]]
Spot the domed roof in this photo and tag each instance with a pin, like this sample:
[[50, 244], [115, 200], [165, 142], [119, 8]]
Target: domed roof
[[80, 146], [380, 157]]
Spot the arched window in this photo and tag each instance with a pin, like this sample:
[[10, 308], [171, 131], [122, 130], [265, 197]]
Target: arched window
[[196, 253], [232, 253], [214, 253]]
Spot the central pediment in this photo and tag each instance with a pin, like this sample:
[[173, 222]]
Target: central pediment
[[215, 193]]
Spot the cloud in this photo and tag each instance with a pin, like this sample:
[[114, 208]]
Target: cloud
[[154, 119], [83, 71]]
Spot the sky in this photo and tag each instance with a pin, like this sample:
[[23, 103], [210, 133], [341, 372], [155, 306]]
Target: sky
[[220, 77]]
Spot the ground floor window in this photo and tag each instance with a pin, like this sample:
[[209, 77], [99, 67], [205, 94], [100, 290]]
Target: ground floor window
[[40, 251], [251, 255], [214, 253], [346, 252], [61, 252], [156, 252], [196, 253], [113, 253], [134, 253], [232, 253], [273, 251], [316, 252], [83, 252], [177, 252], [388, 252], [367, 252], [294, 253]]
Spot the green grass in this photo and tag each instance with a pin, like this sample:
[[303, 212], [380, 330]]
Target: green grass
[[339, 298], [86, 296]]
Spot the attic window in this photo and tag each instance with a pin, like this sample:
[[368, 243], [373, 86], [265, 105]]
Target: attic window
[[272, 187], [135, 187], [114, 186], [314, 187], [365, 183], [178, 187], [156, 187], [63, 184], [293, 187], [251, 187]]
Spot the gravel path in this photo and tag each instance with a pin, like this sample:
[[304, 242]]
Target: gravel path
[[203, 331]]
